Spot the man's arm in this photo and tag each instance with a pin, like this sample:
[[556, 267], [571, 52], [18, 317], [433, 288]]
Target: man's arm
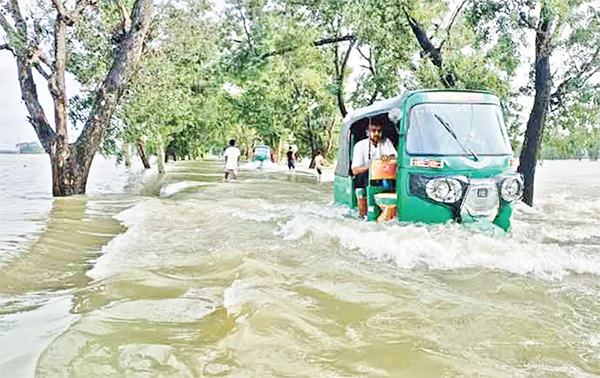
[[360, 163], [389, 152], [360, 169]]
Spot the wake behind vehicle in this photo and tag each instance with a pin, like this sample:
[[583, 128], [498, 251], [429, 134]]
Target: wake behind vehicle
[[454, 159]]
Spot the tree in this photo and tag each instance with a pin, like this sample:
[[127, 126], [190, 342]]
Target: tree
[[570, 25], [71, 162], [541, 102]]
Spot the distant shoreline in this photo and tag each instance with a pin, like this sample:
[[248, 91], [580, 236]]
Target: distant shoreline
[[9, 152]]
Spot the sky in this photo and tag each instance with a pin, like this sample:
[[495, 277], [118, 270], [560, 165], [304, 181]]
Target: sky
[[14, 127]]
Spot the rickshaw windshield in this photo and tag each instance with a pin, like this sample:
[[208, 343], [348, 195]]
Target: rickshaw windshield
[[456, 129], [263, 151]]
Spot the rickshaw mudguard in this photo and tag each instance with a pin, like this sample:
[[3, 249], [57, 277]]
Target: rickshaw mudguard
[[343, 189], [373, 211]]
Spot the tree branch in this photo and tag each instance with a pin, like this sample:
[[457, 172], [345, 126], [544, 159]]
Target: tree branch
[[435, 55], [591, 74], [368, 59], [41, 71], [60, 8], [125, 19], [586, 71], [326, 41], [18, 34], [38, 55], [126, 57], [456, 12], [246, 30], [320, 42], [16, 12], [525, 21], [79, 8], [594, 59], [37, 116], [8, 29], [346, 56]]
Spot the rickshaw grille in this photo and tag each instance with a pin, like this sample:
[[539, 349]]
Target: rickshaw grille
[[481, 201]]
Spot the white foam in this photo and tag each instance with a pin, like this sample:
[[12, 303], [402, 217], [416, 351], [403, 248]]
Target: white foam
[[443, 247], [233, 297], [171, 189], [150, 238], [267, 165]]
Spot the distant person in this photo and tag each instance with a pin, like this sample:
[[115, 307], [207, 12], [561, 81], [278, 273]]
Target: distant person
[[170, 151], [232, 153], [291, 160], [319, 165], [373, 147]]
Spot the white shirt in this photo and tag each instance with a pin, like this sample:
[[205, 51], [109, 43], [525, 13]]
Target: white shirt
[[319, 161], [361, 151], [231, 157]]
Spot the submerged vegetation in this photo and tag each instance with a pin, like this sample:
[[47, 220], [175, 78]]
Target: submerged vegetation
[[284, 73]]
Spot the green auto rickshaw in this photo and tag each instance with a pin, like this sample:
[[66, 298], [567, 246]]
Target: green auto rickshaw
[[454, 159], [260, 154]]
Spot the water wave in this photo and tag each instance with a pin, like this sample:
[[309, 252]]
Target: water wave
[[445, 247]]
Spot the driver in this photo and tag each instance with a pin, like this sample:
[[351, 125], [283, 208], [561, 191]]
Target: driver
[[374, 147]]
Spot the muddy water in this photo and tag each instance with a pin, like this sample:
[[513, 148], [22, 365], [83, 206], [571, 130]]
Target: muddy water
[[187, 276]]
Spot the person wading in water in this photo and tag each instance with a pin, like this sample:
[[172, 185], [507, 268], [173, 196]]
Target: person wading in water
[[232, 154]]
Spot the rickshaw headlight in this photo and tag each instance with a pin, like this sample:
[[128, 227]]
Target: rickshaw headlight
[[512, 188], [444, 189]]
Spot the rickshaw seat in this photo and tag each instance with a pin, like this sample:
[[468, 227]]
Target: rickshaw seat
[[387, 203]]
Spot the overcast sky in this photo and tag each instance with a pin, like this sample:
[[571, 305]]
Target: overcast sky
[[14, 127]]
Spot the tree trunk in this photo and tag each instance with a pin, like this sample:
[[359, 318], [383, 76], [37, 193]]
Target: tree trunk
[[313, 142], [127, 153], [279, 149], [141, 149], [535, 124], [71, 162], [330, 126], [70, 168], [160, 150], [340, 69]]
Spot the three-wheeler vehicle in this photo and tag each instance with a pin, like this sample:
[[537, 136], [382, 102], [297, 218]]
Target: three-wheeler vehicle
[[454, 159], [262, 153]]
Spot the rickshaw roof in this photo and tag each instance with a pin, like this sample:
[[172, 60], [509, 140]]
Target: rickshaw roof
[[384, 106], [378, 107]]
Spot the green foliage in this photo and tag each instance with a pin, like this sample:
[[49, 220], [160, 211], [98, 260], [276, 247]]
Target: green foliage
[[252, 72], [574, 128]]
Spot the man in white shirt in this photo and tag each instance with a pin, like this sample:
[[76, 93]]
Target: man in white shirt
[[374, 147], [231, 155]]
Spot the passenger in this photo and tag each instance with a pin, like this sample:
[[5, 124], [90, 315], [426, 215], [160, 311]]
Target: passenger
[[319, 165], [374, 147], [231, 155], [291, 160]]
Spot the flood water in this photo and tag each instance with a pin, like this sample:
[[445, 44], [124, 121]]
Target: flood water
[[183, 275]]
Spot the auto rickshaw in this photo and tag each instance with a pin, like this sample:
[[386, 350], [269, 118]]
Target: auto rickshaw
[[454, 159], [261, 153]]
